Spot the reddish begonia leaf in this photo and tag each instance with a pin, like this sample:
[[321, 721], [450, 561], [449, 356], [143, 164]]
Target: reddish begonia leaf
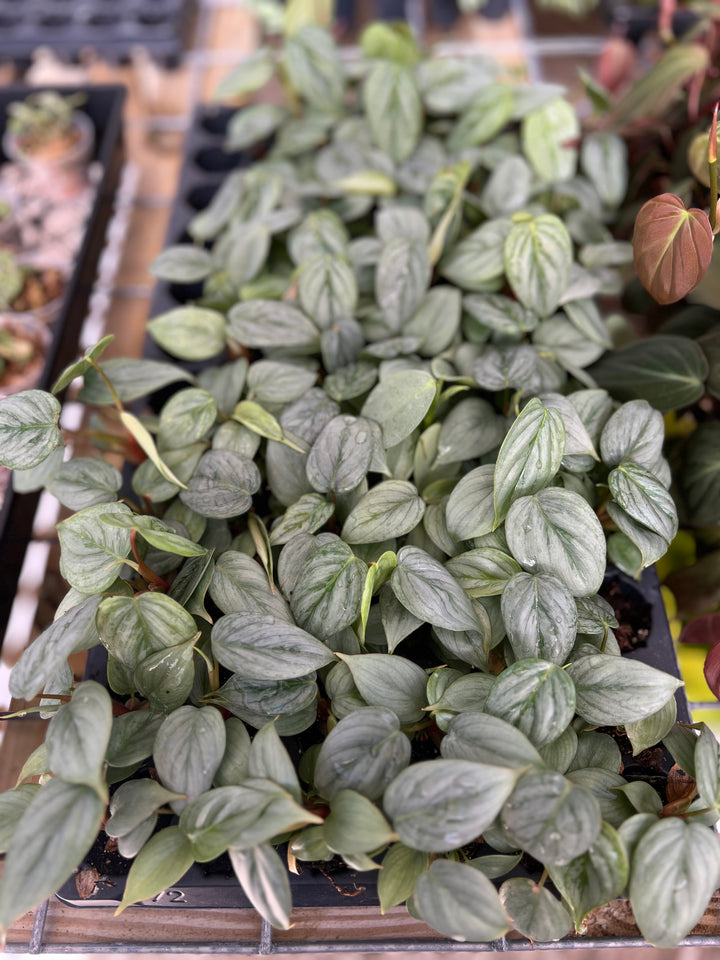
[[712, 670], [705, 629], [672, 247]]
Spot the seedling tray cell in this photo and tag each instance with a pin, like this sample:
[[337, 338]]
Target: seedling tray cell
[[163, 28]]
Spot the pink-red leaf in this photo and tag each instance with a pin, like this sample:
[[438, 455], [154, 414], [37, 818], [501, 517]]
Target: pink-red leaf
[[712, 670], [705, 629], [672, 247]]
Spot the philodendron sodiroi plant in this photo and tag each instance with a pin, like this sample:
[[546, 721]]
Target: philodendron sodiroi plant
[[376, 524]]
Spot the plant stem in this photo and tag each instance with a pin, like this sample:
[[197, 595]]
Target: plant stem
[[143, 569], [108, 384]]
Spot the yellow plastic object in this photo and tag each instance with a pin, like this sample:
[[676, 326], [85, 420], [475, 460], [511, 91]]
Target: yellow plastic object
[[682, 552], [691, 657]]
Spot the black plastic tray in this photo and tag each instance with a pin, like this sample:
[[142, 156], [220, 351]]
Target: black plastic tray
[[214, 884], [111, 29], [635, 21], [205, 165], [104, 106]]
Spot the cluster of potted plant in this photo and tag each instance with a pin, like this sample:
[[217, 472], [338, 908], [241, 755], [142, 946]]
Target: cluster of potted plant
[[48, 143], [376, 522]]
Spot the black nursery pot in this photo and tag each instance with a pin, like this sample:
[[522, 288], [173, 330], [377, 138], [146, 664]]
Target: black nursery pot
[[644, 631], [104, 105], [163, 28]]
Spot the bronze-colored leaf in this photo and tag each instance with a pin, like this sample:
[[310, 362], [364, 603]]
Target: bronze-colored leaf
[[712, 670], [672, 247]]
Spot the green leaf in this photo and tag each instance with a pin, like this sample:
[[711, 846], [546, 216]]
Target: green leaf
[[700, 474], [488, 739], [250, 125], [399, 404], [653, 728], [484, 572], [313, 66], [603, 157], [131, 379], [425, 588], [133, 802], [145, 441], [596, 750], [92, 550], [485, 116], [260, 324], [183, 263], [551, 818], [540, 617], [536, 697], [188, 416], [56, 831], [328, 595], [342, 454], [534, 911], [549, 137], [556, 532], [222, 485], [470, 430], [635, 432], [538, 261], [29, 428], [239, 584], [241, 817], [164, 859], [264, 880], [327, 290], [189, 333], [166, 677], [308, 515], [644, 498], [355, 824], [72, 632], [402, 276], [234, 765], [675, 869], [707, 768], [82, 366], [391, 509], [459, 902], [401, 868], [667, 371], [382, 678], [449, 84], [477, 262], [132, 738], [470, 510], [13, 804], [264, 648], [593, 878], [529, 457], [611, 690], [131, 628], [78, 736], [439, 805], [84, 482], [393, 109], [269, 760], [188, 750], [322, 231], [250, 75], [364, 752]]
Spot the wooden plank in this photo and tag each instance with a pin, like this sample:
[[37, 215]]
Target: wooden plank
[[67, 924]]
